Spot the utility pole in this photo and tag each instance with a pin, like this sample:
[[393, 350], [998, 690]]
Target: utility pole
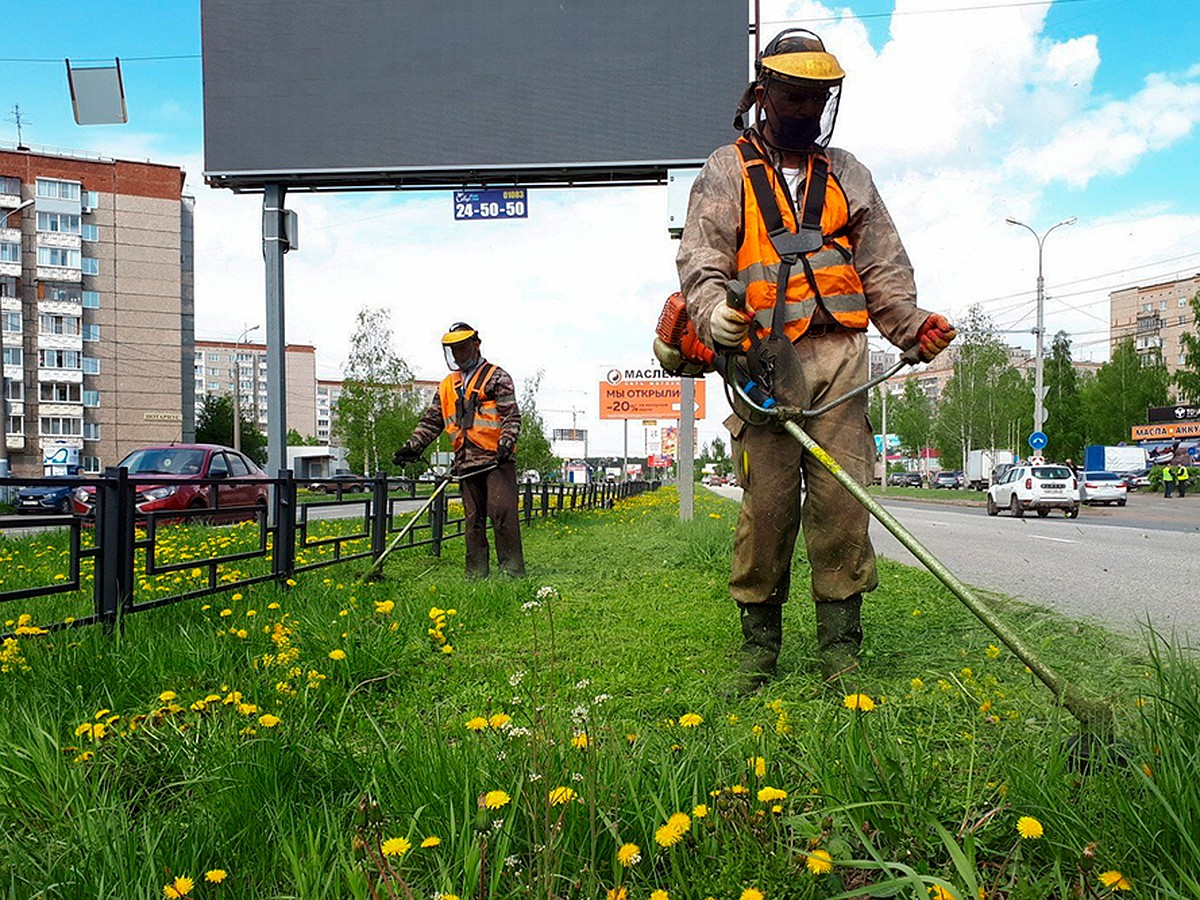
[[237, 388], [1039, 409]]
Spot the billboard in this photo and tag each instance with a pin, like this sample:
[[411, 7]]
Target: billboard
[[424, 93]]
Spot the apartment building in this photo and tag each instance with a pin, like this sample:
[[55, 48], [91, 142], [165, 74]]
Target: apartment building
[[97, 307], [1154, 315], [933, 377], [226, 367]]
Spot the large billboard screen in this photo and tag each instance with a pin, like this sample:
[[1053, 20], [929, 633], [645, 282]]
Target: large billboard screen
[[429, 93]]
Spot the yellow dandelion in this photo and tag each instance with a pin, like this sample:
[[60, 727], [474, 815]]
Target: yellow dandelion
[[917, 684], [384, 607], [431, 841], [337, 653], [180, 887], [629, 855], [699, 811], [268, 720], [617, 893], [860, 702], [758, 764], [659, 894], [496, 799], [690, 720], [819, 862], [215, 876], [561, 795], [1114, 880], [477, 723], [499, 720], [937, 892], [768, 794], [167, 696], [580, 741], [396, 846], [680, 821], [993, 652], [1029, 828], [751, 894], [666, 836]]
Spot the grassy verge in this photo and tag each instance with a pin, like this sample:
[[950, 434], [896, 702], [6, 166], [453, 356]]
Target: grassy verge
[[568, 735]]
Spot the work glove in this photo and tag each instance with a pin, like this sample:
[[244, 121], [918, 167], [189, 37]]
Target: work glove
[[504, 453], [729, 326], [934, 336], [405, 454]]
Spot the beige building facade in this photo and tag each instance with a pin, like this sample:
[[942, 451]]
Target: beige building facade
[[96, 293], [1155, 316], [217, 366]]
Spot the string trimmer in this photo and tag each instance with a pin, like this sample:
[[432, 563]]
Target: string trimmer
[[675, 333], [377, 568]]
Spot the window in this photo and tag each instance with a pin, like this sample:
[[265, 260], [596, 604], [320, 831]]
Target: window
[[58, 392], [1146, 307], [90, 266], [91, 365], [91, 232], [14, 356], [91, 332], [15, 389], [218, 465], [10, 252], [214, 357], [8, 286], [91, 464], [91, 199], [57, 359], [16, 425], [53, 189], [91, 431], [63, 293], [91, 299], [50, 324], [1183, 301], [63, 223], [61, 425], [10, 185], [12, 321], [91, 399], [1162, 304], [58, 256], [236, 465]]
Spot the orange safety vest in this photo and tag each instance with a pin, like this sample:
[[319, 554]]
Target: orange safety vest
[[466, 413], [830, 279]]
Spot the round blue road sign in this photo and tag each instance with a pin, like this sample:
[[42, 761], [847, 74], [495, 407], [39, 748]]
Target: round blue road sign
[[1038, 440]]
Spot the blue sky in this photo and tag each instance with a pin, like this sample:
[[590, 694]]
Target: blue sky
[[1085, 108]]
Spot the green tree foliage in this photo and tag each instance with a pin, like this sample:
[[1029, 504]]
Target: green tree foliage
[[1117, 398], [911, 419], [533, 448], [1062, 404], [378, 407], [1187, 377], [294, 439], [987, 402], [214, 425]]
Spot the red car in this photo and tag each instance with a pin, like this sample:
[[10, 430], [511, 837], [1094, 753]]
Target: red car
[[166, 479]]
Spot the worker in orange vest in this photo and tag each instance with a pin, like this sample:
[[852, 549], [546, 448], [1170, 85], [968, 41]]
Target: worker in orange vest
[[793, 219], [476, 405]]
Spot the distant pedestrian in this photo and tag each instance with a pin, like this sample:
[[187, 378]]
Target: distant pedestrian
[[1181, 479], [1168, 480]]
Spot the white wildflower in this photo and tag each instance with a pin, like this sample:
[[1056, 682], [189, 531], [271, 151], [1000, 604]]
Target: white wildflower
[[547, 593], [516, 678], [601, 698]]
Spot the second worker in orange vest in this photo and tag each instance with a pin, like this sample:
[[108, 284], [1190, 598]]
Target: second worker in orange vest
[[476, 405], [802, 226]]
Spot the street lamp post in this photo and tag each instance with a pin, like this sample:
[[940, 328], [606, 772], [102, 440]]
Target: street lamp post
[[237, 387], [1039, 410]]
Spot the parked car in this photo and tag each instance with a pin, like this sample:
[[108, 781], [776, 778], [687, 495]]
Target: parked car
[[1037, 488], [951, 480], [999, 472], [714, 480], [45, 498], [905, 479], [1103, 487], [168, 478], [342, 482]]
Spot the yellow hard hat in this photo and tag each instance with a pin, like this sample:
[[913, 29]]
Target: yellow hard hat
[[459, 332], [798, 54]]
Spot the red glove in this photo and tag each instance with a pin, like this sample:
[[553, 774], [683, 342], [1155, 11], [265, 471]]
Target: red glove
[[934, 336]]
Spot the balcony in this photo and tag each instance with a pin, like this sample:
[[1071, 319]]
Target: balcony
[[1148, 322]]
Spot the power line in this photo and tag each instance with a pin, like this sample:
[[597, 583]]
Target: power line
[[58, 60]]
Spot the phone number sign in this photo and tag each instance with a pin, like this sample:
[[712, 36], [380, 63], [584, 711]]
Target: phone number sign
[[507, 203]]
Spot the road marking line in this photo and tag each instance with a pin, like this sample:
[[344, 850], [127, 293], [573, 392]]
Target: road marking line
[[1042, 537]]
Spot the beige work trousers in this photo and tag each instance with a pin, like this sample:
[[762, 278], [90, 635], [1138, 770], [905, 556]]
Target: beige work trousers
[[768, 465]]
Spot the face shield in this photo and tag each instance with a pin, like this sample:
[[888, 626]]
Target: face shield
[[798, 116], [462, 356]]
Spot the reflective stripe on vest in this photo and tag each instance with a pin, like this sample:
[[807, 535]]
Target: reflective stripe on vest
[[837, 280], [484, 428]]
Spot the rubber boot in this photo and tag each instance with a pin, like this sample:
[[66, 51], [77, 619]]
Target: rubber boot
[[839, 637], [762, 628]]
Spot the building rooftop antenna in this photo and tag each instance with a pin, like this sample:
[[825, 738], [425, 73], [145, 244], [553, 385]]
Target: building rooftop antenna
[[20, 121]]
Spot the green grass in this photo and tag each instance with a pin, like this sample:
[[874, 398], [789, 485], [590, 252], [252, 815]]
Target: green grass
[[633, 630]]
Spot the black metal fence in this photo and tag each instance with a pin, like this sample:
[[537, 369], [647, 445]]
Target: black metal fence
[[285, 535]]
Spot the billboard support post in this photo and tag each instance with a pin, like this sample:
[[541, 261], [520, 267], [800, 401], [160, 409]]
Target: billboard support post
[[687, 448], [274, 246]]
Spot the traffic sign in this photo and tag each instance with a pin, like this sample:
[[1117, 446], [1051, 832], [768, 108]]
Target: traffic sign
[[1038, 440]]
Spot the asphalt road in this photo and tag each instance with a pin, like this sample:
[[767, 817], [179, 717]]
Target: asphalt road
[[1117, 566]]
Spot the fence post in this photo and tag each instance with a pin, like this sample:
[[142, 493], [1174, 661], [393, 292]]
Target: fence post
[[114, 527], [379, 515], [561, 491], [528, 502], [545, 501], [437, 522], [285, 525]]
